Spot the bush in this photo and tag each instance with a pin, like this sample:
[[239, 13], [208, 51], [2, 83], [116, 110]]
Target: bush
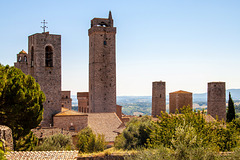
[[56, 142], [88, 142], [136, 133], [2, 150], [27, 143], [218, 135]]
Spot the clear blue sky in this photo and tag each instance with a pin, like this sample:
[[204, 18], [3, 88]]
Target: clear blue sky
[[186, 43]]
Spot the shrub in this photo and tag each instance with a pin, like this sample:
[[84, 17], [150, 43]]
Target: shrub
[[88, 142], [55, 142], [2, 149], [136, 133], [27, 143]]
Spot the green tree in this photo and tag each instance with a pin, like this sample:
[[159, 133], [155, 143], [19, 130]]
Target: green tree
[[21, 101], [231, 110], [136, 133], [27, 143], [88, 142]]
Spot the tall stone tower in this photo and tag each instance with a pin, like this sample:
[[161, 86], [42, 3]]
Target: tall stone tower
[[179, 99], [22, 61], [102, 65], [158, 98], [44, 64], [216, 105]]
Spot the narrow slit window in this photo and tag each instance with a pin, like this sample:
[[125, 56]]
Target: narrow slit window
[[32, 57]]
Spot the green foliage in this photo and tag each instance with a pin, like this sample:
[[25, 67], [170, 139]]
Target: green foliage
[[2, 150], [231, 110], [27, 143], [56, 142], [21, 101], [88, 142], [136, 133], [217, 135]]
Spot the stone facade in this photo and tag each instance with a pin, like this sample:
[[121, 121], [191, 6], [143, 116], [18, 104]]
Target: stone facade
[[179, 99], [216, 105], [158, 98], [6, 135], [66, 100], [83, 102], [71, 120], [102, 65], [119, 111], [22, 61], [44, 64]]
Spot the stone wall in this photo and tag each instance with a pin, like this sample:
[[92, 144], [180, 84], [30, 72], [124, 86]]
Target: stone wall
[[48, 77], [71, 122], [66, 100], [216, 105], [6, 135], [102, 66], [83, 102], [179, 99], [158, 98]]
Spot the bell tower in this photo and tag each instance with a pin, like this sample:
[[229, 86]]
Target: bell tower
[[102, 65], [44, 64]]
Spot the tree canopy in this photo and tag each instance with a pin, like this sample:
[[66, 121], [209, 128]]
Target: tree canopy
[[21, 101], [231, 109]]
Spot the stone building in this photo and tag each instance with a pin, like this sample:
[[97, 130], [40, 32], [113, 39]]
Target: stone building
[[66, 100], [158, 98], [179, 99], [83, 102], [22, 61], [44, 64], [102, 65], [216, 103], [71, 120]]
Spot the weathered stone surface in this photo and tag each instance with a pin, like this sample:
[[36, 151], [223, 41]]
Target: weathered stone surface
[[66, 100], [48, 76], [179, 99], [158, 98], [102, 66], [216, 105], [6, 135], [83, 102]]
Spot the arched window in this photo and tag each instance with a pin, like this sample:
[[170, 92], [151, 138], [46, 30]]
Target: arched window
[[49, 56], [25, 58], [32, 56]]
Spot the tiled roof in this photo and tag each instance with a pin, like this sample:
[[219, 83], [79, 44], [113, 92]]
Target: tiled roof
[[104, 123], [64, 109], [70, 155], [70, 113], [180, 91], [22, 52]]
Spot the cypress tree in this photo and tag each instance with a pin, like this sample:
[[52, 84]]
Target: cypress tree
[[231, 109]]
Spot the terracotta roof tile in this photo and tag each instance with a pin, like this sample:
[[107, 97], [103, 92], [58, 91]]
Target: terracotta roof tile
[[104, 123], [180, 91], [70, 113]]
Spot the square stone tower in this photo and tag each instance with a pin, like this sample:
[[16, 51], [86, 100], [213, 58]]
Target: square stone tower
[[179, 99], [22, 62], [102, 65], [44, 64], [83, 102], [216, 105], [158, 98], [66, 100]]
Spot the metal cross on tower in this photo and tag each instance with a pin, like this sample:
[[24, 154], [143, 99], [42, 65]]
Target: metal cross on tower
[[44, 25]]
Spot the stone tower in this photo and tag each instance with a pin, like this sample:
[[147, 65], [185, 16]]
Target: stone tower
[[44, 64], [216, 105], [102, 65], [22, 61], [83, 102], [158, 98], [179, 99]]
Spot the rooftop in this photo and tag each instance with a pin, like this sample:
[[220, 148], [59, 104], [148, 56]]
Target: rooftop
[[181, 91]]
